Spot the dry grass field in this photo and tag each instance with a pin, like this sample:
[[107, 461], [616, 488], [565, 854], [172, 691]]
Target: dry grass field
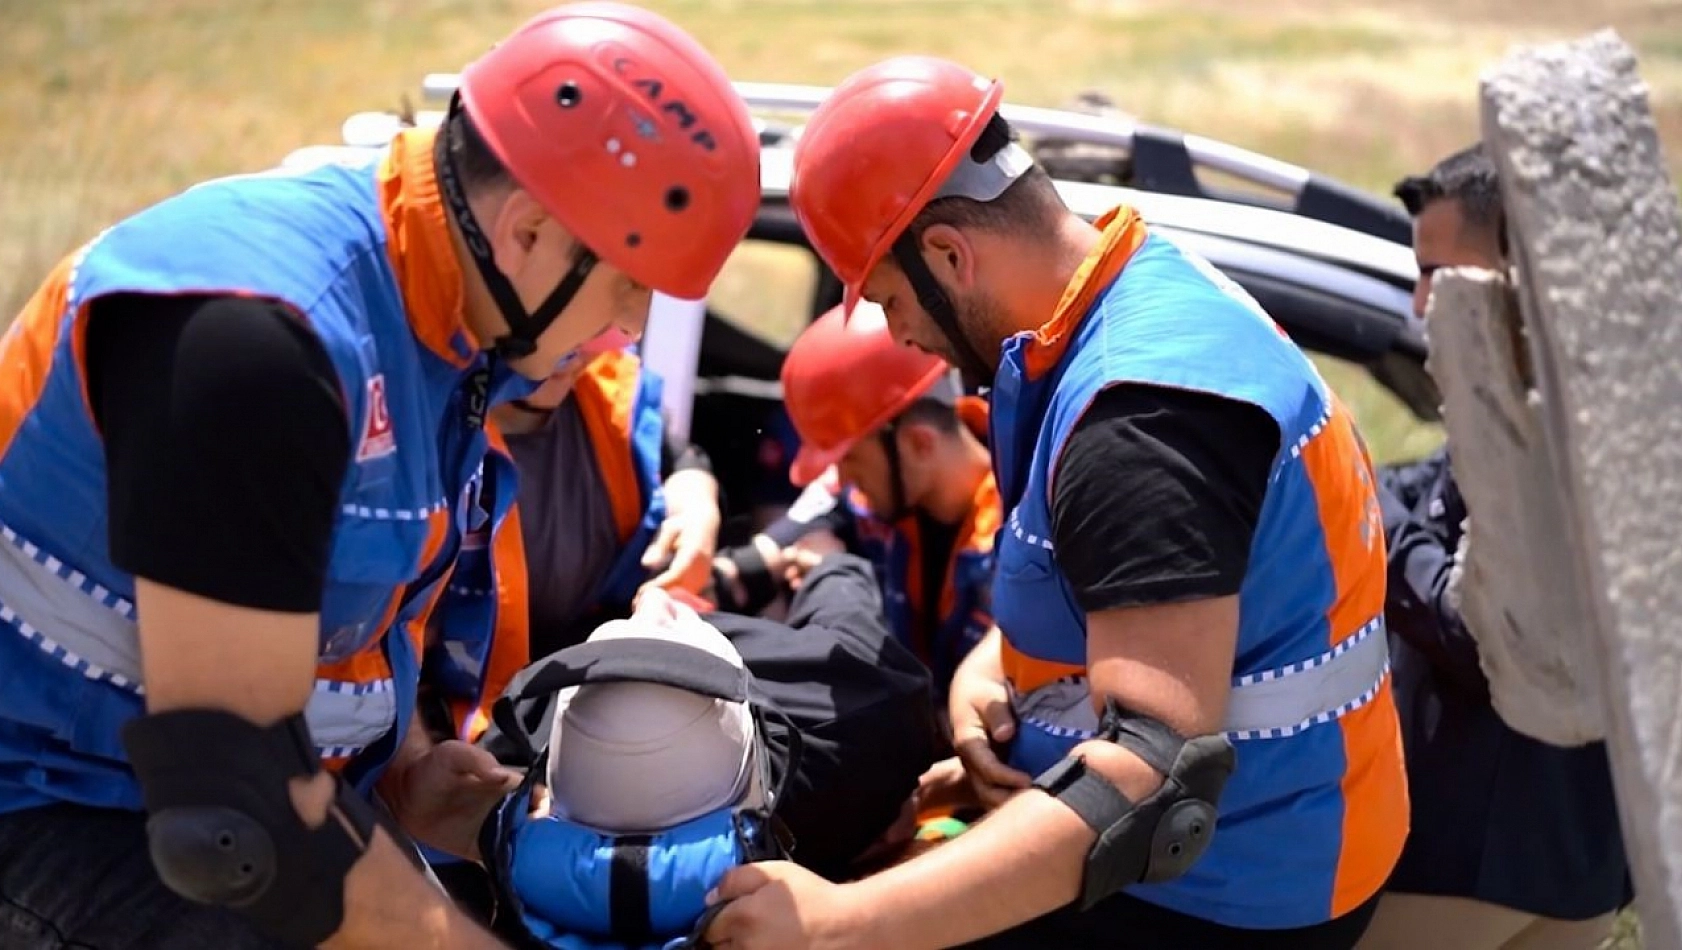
[[106, 105]]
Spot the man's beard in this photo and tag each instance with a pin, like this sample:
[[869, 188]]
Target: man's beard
[[969, 357], [974, 380]]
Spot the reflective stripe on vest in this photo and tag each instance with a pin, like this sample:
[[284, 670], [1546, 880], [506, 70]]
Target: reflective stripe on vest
[[94, 633], [1271, 704]]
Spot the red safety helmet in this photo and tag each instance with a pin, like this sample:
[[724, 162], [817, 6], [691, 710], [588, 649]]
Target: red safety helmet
[[843, 379], [886, 142], [629, 133]]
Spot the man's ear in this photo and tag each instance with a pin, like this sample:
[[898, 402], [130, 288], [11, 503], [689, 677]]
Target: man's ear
[[950, 255], [514, 230], [918, 438]]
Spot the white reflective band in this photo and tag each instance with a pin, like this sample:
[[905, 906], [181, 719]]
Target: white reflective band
[[1272, 704], [62, 611], [346, 718], [92, 631], [1278, 703]]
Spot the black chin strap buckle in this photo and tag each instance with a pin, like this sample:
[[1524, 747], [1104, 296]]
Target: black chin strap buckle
[[510, 347]]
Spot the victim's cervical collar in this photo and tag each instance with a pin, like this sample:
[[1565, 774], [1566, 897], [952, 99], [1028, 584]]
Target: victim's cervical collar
[[662, 782]]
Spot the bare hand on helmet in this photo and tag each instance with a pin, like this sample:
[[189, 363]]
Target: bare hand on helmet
[[982, 722], [682, 550], [445, 795], [779, 905]]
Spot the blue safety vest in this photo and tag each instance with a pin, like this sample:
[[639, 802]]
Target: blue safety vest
[[619, 399], [963, 606], [415, 392], [1314, 816]]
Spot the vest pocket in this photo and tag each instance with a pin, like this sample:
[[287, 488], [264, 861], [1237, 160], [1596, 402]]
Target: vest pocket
[[1033, 606], [373, 558]]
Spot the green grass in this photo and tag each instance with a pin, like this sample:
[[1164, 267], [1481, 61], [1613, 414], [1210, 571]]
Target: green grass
[[107, 105], [111, 104]]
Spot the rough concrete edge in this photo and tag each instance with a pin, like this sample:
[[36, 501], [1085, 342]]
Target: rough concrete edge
[[1515, 591], [1640, 793]]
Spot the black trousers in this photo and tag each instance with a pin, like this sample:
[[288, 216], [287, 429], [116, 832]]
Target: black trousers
[[75, 878]]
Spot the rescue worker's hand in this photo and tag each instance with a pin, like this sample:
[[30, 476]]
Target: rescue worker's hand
[[979, 704], [804, 555], [682, 550], [542, 803], [778, 905], [946, 787], [446, 795]]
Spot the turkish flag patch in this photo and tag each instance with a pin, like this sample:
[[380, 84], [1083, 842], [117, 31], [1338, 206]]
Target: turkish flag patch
[[378, 438]]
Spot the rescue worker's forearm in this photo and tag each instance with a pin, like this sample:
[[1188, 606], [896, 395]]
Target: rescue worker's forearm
[[389, 904], [1421, 611], [1023, 861]]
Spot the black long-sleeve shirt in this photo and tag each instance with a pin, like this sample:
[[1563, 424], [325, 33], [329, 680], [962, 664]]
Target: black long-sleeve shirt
[[1496, 815], [1424, 518]]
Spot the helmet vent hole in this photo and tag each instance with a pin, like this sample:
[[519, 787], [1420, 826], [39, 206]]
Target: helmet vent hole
[[677, 198], [633, 239], [569, 94]]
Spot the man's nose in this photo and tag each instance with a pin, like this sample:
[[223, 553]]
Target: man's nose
[[1421, 296]]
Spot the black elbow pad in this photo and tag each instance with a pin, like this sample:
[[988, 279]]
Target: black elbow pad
[[1160, 837], [222, 828]]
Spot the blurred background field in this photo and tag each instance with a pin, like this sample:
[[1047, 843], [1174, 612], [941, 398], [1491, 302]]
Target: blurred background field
[[107, 105]]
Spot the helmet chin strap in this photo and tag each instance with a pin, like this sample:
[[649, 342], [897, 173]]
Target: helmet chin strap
[[935, 302], [524, 328], [896, 475]]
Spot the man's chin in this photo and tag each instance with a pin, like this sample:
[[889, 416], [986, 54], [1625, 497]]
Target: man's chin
[[532, 368]]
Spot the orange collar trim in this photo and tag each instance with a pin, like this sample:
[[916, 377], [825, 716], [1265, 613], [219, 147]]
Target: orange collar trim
[[1123, 234], [421, 249]]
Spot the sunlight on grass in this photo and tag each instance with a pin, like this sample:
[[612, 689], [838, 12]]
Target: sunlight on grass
[[112, 104]]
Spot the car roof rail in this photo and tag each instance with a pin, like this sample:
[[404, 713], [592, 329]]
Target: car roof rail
[[1145, 157]]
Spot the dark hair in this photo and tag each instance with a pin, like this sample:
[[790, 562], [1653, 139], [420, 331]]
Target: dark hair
[[941, 416], [1469, 178], [1028, 206], [478, 166]]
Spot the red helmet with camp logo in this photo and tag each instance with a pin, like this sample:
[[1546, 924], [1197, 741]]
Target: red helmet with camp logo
[[879, 149], [843, 379], [629, 133]]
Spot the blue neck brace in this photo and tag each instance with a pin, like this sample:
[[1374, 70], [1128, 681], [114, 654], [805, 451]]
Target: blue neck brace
[[576, 888]]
